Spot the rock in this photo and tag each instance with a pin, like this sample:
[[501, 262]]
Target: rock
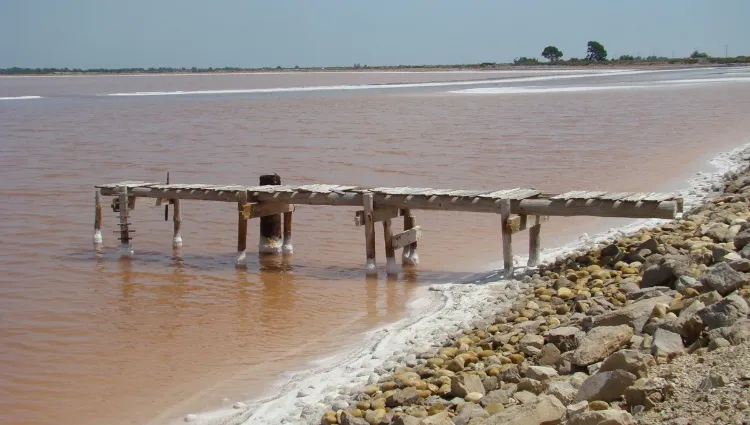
[[667, 271], [348, 419], [577, 408], [530, 385], [649, 244], [745, 252], [531, 340], [606, 386], [565, 338], [549, 355], [610, 251], [468, 412], [742, 239], [462, 385], [736, 262], [710, 298], [668, 342], [648, 392], [634, 315], [540, 373], [405, 397], [510, 375], [565, 293], [724, 312], [713, 380], [525, 397], [497, 396], [633, 361], [563, 390], [684, 282], [406, 420], [718, 343], [600, 342], [374, 417], [598, 405], [490, 383], [602, 417], [441, 418], [722, 278], [546, 410], [456, 364]]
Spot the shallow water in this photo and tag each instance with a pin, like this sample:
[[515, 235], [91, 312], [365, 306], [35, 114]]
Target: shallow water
[[89, 338]]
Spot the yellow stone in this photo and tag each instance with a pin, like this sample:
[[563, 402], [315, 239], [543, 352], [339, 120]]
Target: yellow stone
[[493, 408], [387, 386], [486, 353], [363, 405], [565, 293], [329, 417], [598, 405], [493, 372], [435, 361], [371, 389], [378, 404], [545, 298], [517, 358], [357, 413]]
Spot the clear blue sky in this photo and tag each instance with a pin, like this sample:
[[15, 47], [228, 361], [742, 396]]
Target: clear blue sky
[[250, 33]]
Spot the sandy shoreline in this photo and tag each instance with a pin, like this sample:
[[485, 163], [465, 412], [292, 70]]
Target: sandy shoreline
[[301, 398]]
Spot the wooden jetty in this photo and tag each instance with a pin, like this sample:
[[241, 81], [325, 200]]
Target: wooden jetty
[[274, 203]]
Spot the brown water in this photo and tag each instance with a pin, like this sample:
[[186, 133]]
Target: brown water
[[88, 338]]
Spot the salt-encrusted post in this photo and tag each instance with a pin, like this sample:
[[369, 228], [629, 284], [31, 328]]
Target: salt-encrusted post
[[97, 218], [124, 221], [534, 241], [241, 229], [177, 219], [286, 247], [507, 241], [390, 254], [270, 226], [410, 256], [367, 203]]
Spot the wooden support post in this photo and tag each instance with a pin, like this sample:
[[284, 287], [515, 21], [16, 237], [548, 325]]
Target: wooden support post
[[270, 226], [241, 230], [125, 250], [286, 247], [507, 238], [534, 241], [97, 218], [177, 219], [370, 265], [391, 268], [410, 256]]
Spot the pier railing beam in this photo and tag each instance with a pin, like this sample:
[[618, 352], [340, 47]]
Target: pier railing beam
[[241, 230], [97, 218], [270, 226], [370, 265], [534, 242], [507, 238]]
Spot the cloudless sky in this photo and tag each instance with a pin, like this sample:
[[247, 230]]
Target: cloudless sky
[[256, 33]]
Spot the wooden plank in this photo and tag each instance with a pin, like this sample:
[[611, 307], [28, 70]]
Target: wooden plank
[[615, 196], [507, 238], [379, 214], [598, 208], [407, 237], [660, 197], [266, 209], [636, 197]]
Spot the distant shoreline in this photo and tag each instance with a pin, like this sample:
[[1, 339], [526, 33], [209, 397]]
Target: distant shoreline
[[579, 65]]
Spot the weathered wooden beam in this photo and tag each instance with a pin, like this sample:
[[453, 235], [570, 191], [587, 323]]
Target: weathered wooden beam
[[390, 250], [379, 214], [598, 208], [353, 199], [241, 230], [266, 209], [97, 218], [518, 223], [535, 242], [407, 237], [370, 265], [194, 195], [507, 239], [177, 219], [441, 203], [270, 241], [286, 247]]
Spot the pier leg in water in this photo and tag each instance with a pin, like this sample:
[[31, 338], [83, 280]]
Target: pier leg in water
[[241, 231], [534, 241], [270, 226], [370, 266], [177, 218], [97, 219], [391, 268], [507, 241], [410, 257], [286, 247], [125, 249]]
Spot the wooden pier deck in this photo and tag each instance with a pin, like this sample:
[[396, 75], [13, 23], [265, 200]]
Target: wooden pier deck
[[274, 203]]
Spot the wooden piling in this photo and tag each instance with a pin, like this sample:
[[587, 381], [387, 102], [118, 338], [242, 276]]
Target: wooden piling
[[534, 242], [270, 226], [507, 238], [241, 230], [97, 218], [177, 219], [286, 247], [124, 223], [410, 256], [390, 254], [370, 263]]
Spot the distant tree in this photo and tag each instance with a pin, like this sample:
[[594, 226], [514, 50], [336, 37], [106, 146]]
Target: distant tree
[[596, 51], [626, 58], [523, 60], [552, 53], [698, 55], [278, 67]]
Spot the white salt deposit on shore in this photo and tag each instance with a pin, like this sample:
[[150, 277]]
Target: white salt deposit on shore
[[436, 313]]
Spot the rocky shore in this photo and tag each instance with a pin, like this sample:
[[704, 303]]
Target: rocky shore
[[652, 328]]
